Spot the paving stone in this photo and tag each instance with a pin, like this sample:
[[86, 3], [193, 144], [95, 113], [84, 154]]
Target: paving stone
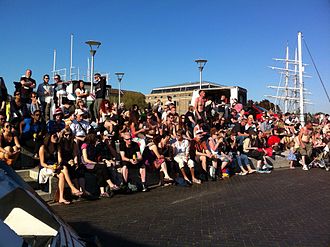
[[284, 208]]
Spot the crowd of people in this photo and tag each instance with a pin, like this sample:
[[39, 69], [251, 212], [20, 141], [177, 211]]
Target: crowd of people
[[213, 140]]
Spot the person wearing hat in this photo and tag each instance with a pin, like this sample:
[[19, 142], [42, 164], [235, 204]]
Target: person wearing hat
[[79, 126], [57, 124]]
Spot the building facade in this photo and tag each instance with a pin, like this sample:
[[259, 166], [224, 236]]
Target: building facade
[[183, 94]]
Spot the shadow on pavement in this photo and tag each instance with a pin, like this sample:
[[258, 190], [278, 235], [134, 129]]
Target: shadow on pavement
[[98, 237]]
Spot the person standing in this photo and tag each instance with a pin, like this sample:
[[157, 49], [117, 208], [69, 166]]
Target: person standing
[[45, 93], [199, 106], [3, 94], [26, 86], [100, 92], [305, 144]]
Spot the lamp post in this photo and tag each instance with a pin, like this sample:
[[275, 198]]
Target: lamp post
[[201, 63], [120, 76], [94, 45]]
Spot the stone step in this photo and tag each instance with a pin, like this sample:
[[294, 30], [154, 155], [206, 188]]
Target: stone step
[[30, 176]]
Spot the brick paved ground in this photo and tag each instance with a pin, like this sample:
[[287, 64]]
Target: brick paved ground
[[285, 208]]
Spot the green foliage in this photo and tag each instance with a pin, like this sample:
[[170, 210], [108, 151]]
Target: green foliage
[[265, 103], [131, 98]]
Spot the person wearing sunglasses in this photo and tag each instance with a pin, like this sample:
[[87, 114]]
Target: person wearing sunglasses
[[9, 145], [131, 157], [18, 109], [45, 94], [32, 130], [35, 105]]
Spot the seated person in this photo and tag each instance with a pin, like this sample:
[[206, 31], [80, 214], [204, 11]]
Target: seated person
[[9, 145], [57, 124], [156, 158], [131, 157], [252, 148], [51, 162], [69, 154], [181, 150], [199, 152], [32, 131], [89, 159]]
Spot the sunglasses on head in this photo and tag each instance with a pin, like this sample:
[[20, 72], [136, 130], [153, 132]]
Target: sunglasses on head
[[128, 139]]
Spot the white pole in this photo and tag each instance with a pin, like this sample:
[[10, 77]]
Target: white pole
[[119, 94], [88, 70], [286, 79], [92, 72], [301, 82], [200, 78], [54, 64], [295, 78], [71, 48]]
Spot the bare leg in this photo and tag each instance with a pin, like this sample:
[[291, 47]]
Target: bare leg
[[61, 182], [125, 173], [203, 160], [65, 172], [184, 174], [164, 169], [143, 175]]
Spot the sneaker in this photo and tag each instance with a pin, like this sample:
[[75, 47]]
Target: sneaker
[[212, 172], [266, 166], [144, 187], [261, 171], [243, 173], [305, 168]]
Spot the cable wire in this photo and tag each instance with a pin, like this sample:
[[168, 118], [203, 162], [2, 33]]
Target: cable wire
[[317, 71]]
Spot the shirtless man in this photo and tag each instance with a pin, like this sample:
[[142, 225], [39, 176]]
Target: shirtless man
[[305, 147], [199, 105]]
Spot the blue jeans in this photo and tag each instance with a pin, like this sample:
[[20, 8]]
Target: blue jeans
[[240, 140], [242, 159]]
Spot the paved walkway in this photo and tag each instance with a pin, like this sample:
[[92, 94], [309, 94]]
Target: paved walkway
[[285, 208]]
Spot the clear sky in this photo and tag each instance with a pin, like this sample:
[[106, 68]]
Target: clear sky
[[155, 42]]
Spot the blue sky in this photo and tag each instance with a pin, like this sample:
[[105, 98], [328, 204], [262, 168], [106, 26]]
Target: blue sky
[[156, 42]]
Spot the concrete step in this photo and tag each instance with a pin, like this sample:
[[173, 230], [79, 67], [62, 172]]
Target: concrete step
[[30, 176]]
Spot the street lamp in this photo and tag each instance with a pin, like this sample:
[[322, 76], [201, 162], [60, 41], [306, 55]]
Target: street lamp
[[93, 46], [201, 63], [120, 76]]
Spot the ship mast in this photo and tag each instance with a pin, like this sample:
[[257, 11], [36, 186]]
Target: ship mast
[[289, 93]]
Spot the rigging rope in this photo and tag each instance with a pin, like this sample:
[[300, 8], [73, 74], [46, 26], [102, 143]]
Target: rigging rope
[[317, 71]]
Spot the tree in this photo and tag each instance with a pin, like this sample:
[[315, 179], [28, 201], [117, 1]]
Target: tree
[[265, 103], [134, 98]]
